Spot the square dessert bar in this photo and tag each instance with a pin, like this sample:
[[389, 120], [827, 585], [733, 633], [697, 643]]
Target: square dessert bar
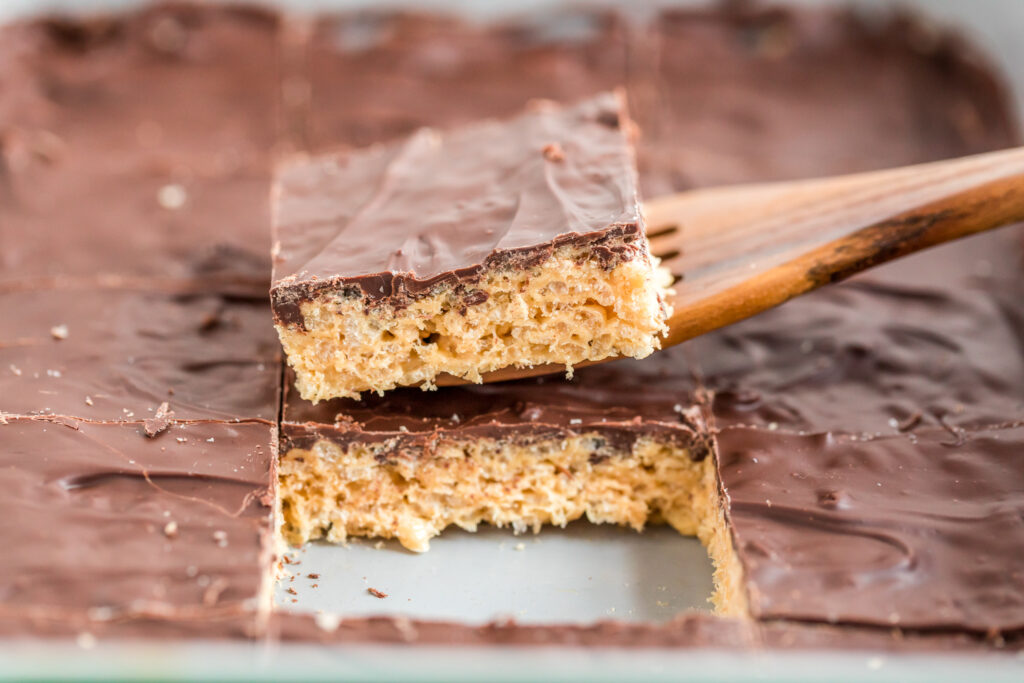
[[622, 443], [104, 522], [104, 172], [920, 531], [512, 243]]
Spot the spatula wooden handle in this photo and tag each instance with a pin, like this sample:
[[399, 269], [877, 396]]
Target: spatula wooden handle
[[746, 249]]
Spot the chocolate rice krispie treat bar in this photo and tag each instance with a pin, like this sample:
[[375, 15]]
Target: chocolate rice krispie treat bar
[[513, 243]]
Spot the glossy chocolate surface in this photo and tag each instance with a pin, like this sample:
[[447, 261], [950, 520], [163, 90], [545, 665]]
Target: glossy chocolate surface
[[139, 144], [745, 92], [395, 221], [875, 356], [104, 521], [721, 96], [134, 232], [917, 531], [114, 354], [620, 402], [466, 71], [928, 343]]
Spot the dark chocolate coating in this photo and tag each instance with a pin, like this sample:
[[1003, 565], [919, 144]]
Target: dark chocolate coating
[[751, 96], [721, 96], [98, 116], [919, 531], [464, 72], [134, 237], [764, 92], [397, 221], [620, 402], [120, 354], [876, 357], [86, 508], [746, 92]]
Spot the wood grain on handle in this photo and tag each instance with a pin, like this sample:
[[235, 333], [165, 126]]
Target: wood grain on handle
[[744, 249]]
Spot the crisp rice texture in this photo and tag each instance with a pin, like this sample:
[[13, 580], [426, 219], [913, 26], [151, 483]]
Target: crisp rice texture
[[566, 310]]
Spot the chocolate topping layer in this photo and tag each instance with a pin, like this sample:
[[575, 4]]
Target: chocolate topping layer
[[920, 531], [620, 401], [763, 92], [439, 208], [103, 521], [134, 172], [746, 92], [105, 354], [464, 71], [722, 96], [139, 144], [874, 357], [930, 341]]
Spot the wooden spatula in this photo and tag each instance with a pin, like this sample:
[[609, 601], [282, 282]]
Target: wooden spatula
[[736, 251]]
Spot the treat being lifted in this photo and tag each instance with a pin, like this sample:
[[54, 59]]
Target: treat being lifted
[[512, 243]]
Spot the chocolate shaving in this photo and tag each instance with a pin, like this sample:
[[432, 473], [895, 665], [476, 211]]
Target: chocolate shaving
[[554, 152], [160, 421]]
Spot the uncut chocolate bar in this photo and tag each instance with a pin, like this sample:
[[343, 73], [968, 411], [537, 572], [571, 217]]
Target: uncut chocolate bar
[[502, 243]]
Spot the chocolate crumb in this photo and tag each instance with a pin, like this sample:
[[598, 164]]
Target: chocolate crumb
[[376, 593], [154, 426], [554, 152], [313, 576], [159, 422], [474, 298], [292, 591], [609, 118]]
